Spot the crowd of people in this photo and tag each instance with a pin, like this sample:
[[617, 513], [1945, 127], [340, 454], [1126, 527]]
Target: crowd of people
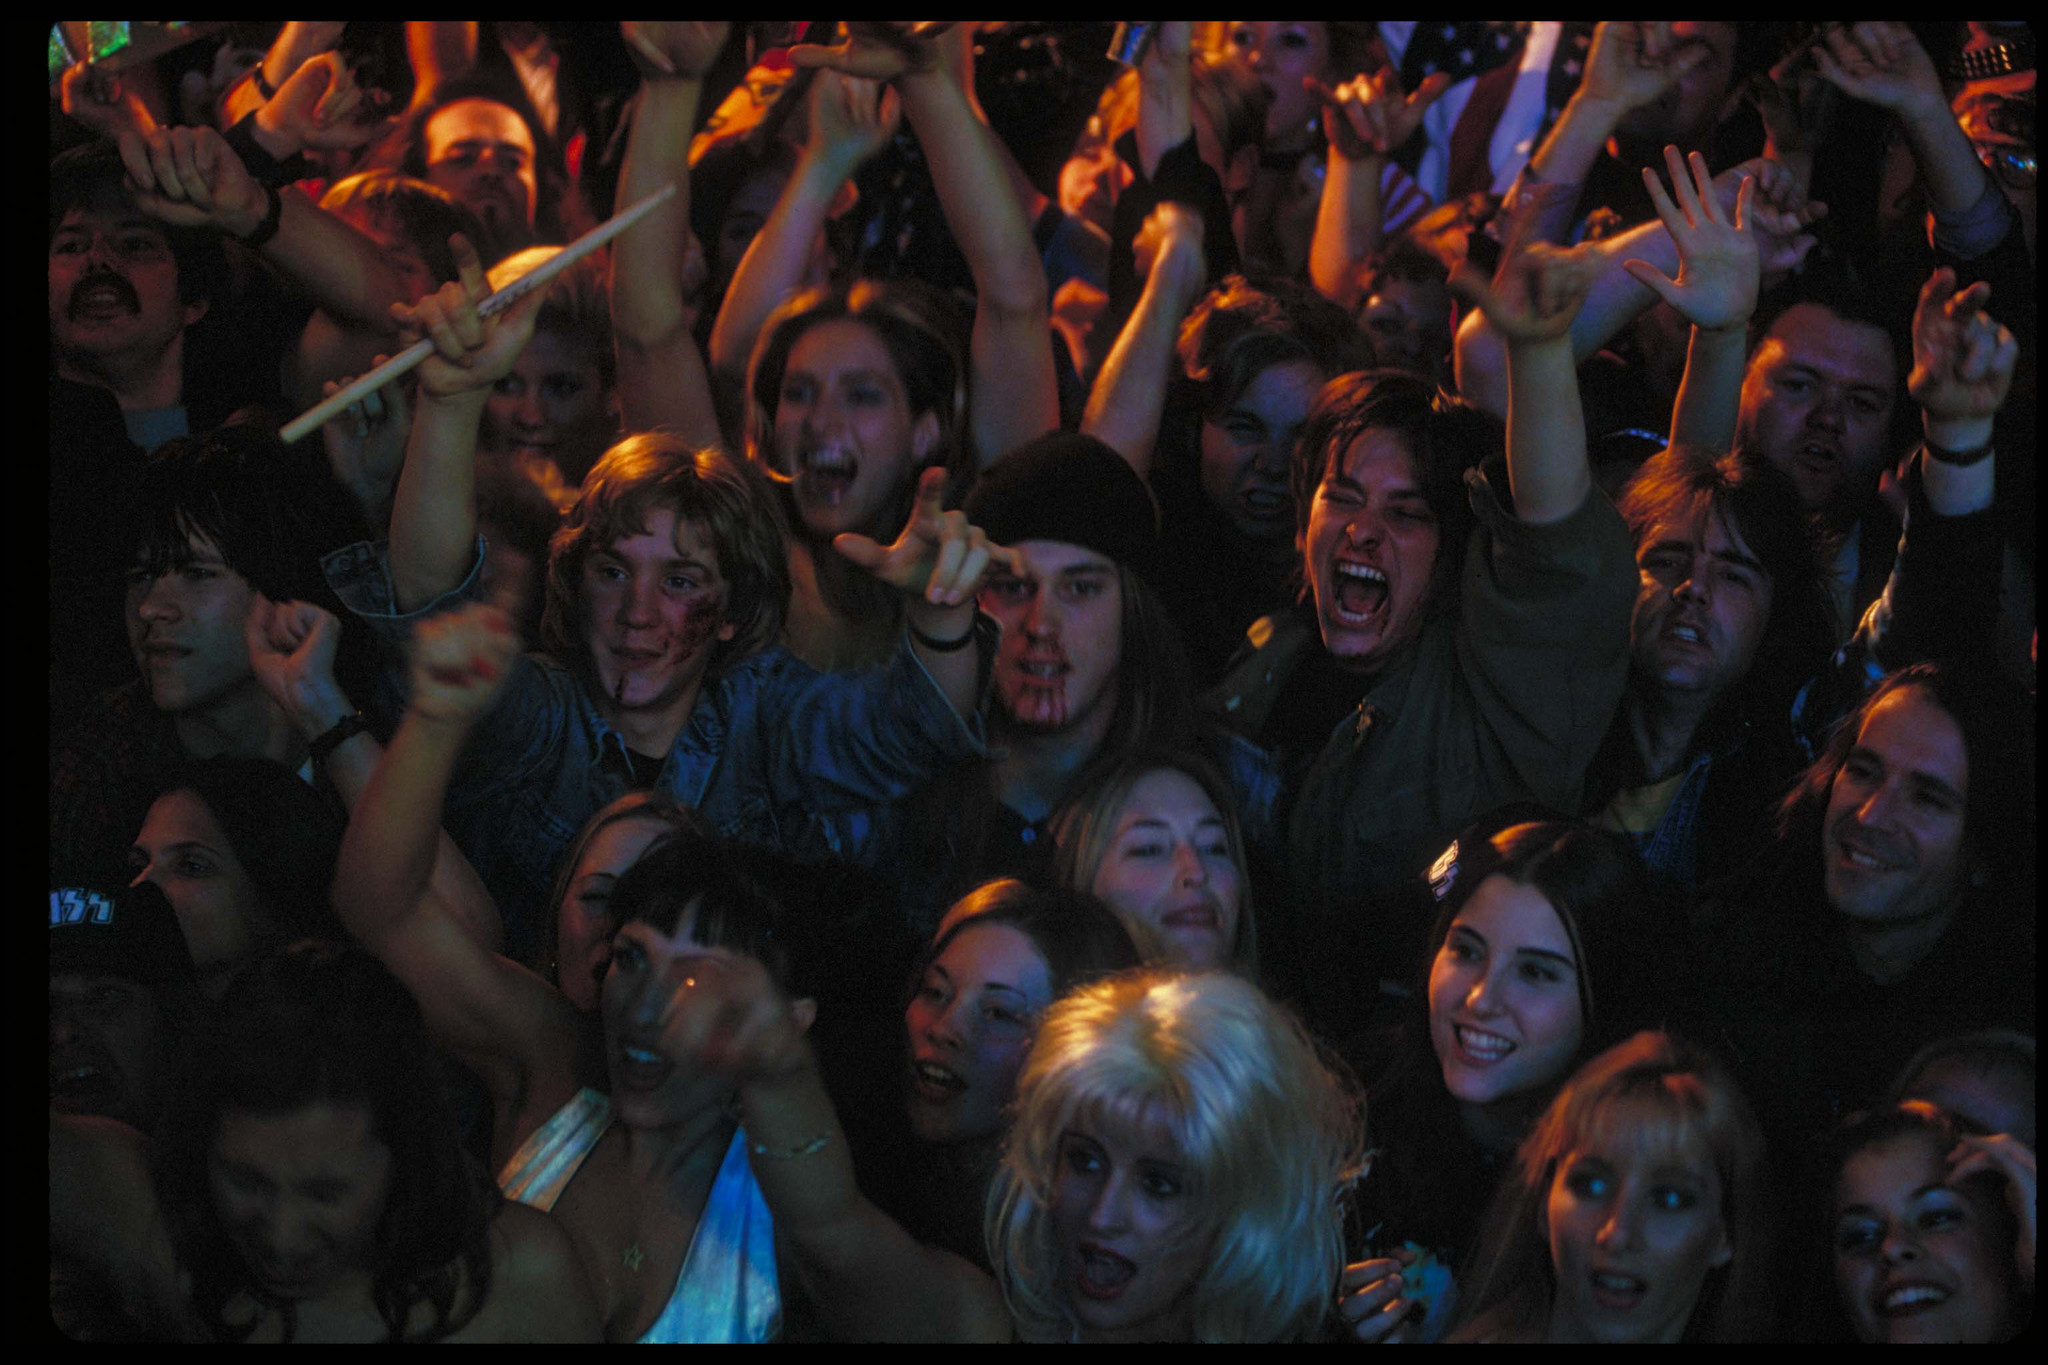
[[1248, 681]]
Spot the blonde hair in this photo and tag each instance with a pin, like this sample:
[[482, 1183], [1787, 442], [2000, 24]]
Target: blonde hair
[[1086, 828], [1512, 1282], [1270, 1130]]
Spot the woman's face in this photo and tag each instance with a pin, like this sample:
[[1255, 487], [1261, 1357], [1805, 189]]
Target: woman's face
[[1246, 449], [970, 1026], [553, 406], [844, 431], [183, 849], [301, 1194], [648, 967], [1280, 54], [1124, 1213], [1504, 995], [583, 924], [744, 218], [1918, 1258], [1169, 867], [1635, 1225]]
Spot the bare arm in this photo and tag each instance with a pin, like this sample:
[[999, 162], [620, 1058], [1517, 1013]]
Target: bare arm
[[104, 1213], [1963, 365], [661, 371], [440, 51], [1882, 63], [1368, 119], [1129, 397], [297, 43]]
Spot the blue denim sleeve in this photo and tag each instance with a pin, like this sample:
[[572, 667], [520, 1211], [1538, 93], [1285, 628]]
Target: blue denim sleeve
[[836, 741]]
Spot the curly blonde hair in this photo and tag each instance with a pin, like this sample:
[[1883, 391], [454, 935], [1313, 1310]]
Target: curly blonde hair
[[1270, 1130]]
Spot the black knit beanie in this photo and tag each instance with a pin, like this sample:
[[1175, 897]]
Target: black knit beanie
[[1073, 489]]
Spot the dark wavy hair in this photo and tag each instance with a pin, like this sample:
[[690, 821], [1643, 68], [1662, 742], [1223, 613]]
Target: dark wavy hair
[[1757, 501], [558, 214], [316, 1023], [1079, 937], [93, 173], [1445, 436], [694, 874], [282, 832]]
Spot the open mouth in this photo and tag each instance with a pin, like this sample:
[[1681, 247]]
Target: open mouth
[[1906, 1300], [1479, 1047], [1193, 917], [1817, 458], [1103, 1273], [1616, 1291], [642, 1068], [1360, 591], [935, 1082], [1266, 505], [826, 473], [104, 299]]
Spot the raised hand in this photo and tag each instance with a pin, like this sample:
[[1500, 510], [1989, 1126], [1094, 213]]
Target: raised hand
[[940, 555], [1535, 294], [2006, 1156], [851, 118], [102, 101], [1370, 115], [472, 353], [674, 48], [1963, 360], [291, 651], [1633, 63], [1170, 239], [876, 51], [319, 106], [190, 177], [459, 660], [366, 441], [1779, 211], [718, 1012], [1718, 272], [1880, 63]]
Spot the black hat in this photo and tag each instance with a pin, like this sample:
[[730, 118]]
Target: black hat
[[1073, 489], [131, 932]]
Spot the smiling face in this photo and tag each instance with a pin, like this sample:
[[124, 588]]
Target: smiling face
[[1504, 1012], [1817, 402], [482, 153], [553, 405], [1701, 608], [301, 1194], [1056, 666], [1247, 446], [1892, 845], [583, 923], [183, 849], [1280, 54], [1634, 1220], [107, 1047], [1371, 548], [970, 1026], [654, 605], [844, 431], [1918, 1259], [114, 283], [185, 627], [1124, 1211], [1169, 868]]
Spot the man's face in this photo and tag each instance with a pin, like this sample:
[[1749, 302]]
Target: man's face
[[107, 1047], [1701, 608], [1685, 114], [1370, 548], [1062, 636], [1409, 322], [482, 153], [185, 628], [1892, 844], [1817, 402], [114, 283]]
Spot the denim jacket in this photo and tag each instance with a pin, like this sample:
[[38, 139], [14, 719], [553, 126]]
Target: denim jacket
[[774, 754]]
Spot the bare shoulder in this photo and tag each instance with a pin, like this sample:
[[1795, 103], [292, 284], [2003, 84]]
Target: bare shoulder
[[984, 1315], [538, 1288]]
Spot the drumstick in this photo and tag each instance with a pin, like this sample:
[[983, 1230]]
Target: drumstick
[[498, 302]]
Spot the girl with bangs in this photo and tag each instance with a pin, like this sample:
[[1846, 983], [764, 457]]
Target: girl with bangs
[[1636, 1211], [1174, 1172]]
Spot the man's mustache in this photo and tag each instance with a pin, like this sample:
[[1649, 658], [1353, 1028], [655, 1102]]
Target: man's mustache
[[124, 292]]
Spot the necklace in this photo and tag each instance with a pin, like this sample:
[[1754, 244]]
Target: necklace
[[633, 1256]]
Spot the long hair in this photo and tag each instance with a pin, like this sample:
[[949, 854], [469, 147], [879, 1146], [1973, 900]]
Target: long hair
[[650, 805], [1074, 932], [1757, 502], [558, 214], [1444, 435], [317, 1023], [655, 470], [281, 831], [1269, 1131], [2006, 1058], [1511, 1282], [692, 874], [1086, 827]]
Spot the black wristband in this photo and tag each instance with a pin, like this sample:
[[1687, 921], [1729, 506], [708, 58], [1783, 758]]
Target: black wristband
[[944, 646], [343, 730], [272, 216], [263, 85], [1959, 459], [263, 168]]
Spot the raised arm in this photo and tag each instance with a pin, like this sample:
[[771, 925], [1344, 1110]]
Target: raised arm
[[1882, 63], [1715, 291], [1963, 365], [661, 371], [433, 516], [503, 1019], [1366, 119], [851, 119], [868, 1278], [1129, 397], [1531, 302], [192, 178], [1013, 394], [297, 43]]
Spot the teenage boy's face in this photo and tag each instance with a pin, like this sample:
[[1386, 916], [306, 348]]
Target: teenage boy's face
[[185, 627]]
